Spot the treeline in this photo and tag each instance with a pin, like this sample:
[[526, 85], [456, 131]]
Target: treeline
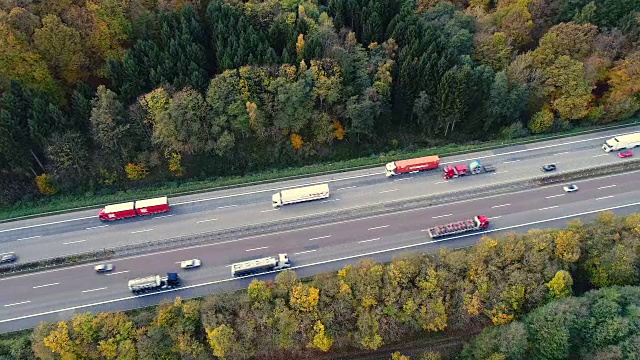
[[602, 324], [369, 305], [109, 94]]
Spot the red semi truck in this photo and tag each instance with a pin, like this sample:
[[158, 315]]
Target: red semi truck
[[454, 171], [412, 165], [477, 223], [134, 208]]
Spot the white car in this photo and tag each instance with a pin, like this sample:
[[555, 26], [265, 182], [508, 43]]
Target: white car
[[103, 268], [190, 264], [570, 188]]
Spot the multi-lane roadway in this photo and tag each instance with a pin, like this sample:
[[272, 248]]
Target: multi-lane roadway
[[27, 299], [81, 231], [55, 294]]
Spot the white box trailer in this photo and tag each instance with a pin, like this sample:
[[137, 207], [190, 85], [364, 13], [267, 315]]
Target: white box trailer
[[260, 265], [622, 142], [307, 193]]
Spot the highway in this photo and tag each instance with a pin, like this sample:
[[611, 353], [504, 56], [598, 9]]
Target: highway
[[81, 231], [57, 294]]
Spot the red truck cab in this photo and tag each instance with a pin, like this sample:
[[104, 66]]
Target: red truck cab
[[452, 171]]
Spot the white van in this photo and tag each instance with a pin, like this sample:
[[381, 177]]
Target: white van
[[622, 142]]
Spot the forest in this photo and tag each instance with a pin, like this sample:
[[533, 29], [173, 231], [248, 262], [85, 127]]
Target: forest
[[517, 286], [98, 96]]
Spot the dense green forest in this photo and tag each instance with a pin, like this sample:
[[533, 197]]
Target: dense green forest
[[367, 306], [603, 324], [101, 95]]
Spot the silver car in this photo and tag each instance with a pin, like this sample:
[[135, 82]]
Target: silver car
[[570, 188], [103, 268]]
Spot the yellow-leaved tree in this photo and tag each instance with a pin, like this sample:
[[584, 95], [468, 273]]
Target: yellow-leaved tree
[[320, 339]]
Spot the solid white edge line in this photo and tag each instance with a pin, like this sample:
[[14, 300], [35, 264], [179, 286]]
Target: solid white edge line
[[45, 224], [317, 263], [310, 227], [341, 179]]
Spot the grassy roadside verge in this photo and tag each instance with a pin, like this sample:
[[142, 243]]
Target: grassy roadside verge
[[344, 214], [64, 203]]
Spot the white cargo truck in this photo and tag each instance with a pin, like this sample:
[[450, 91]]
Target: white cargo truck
[[154, 282], [307, 193], [260, 265], [622, 142]]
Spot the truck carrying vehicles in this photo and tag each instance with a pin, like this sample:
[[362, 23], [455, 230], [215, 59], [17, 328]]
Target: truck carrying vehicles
[[476, 223], [134, 208], [307, 193], [622, 142], [412, 165], [260, 265], [154, 282], [474, 168]]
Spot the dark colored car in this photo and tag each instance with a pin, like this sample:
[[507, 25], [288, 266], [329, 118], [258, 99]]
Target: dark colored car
[[7, 258], [549, 167]]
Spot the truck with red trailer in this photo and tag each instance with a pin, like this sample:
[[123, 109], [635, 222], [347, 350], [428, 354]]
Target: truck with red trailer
[[478, 222], [412, 165], [134, 208], [457, 170]]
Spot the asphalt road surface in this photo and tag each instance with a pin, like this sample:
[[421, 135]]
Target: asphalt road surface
[[81, 231], [58, 294]]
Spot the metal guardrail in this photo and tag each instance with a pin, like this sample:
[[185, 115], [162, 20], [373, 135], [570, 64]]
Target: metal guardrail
[[341, 170], [220, 236]]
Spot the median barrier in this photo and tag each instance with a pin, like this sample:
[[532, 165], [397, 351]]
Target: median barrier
[[382, 160], [623, 166], [54, 262], [224, 235]]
